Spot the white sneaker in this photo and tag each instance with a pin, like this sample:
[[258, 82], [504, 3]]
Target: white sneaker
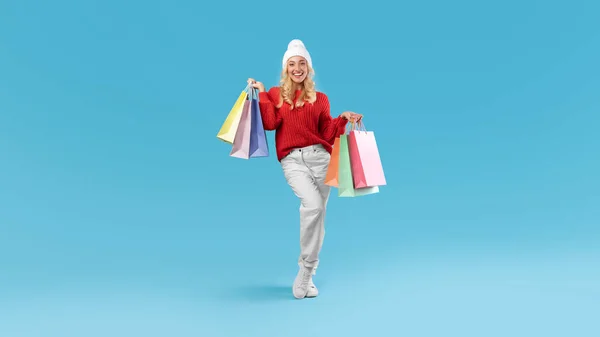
[[302, 282], [312, 289]]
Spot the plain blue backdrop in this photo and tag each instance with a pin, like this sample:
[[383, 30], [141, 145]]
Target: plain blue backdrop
[[122, 214]]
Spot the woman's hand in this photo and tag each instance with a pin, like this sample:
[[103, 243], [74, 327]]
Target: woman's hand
[[256, 85], [352, 116]]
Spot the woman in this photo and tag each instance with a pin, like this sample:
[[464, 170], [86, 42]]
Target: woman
[[304, 135]]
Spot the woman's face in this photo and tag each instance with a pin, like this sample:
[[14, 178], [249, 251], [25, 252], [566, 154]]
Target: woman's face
[[297, 69]]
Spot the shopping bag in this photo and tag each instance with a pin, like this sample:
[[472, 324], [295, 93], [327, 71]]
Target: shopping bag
[[331, 177], [241, 142], [345, 181], [365, 161], [229, 128], [258, 137]]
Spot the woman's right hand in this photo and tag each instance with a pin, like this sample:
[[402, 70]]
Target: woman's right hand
[[257, 85]]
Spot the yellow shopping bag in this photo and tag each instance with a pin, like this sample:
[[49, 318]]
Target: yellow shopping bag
[[230, 126]]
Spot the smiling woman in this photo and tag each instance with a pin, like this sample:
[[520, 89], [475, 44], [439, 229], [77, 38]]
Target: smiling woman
[[304, 136], [295, 77]]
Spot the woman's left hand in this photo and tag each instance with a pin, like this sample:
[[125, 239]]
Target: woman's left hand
[[352, 116]]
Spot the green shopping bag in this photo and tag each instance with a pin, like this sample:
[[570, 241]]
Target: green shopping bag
[[345, 180]]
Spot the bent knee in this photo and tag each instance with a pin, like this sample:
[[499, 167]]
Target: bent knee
[[314, 206]]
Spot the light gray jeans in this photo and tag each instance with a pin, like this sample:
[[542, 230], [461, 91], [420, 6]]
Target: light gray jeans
[[305, 170]]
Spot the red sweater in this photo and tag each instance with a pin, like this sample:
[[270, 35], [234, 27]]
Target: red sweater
[[310, 124]]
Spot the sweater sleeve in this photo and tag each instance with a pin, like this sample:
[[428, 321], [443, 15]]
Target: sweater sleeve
[[268, 111], [329, 127]]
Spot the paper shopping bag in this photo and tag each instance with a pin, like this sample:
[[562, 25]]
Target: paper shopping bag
[[345, 181], [241, 142], [331, 178], [258, 137], [365, 161], [229, 128]]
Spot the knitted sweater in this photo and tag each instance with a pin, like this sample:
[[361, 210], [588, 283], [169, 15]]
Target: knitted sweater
[[310, 124]]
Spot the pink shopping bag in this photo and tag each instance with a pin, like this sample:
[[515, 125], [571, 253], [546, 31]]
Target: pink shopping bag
[[367, 170], [241, 143]]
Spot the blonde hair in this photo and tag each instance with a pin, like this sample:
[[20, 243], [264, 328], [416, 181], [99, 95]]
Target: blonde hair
[[286, 89]]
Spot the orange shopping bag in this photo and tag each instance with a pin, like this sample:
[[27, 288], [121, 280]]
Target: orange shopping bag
[[331, 178]]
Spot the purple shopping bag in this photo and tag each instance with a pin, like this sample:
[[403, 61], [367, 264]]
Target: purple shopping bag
[[258, 137], [241, 143]]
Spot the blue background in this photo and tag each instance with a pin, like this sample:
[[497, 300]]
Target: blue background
[[121, 213]]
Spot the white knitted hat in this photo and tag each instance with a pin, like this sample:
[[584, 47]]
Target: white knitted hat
[[296, 48]]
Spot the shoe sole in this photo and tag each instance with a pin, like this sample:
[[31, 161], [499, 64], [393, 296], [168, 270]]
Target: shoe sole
[[305, 296]]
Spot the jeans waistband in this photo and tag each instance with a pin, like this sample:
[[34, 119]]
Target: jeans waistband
[[308, 148]]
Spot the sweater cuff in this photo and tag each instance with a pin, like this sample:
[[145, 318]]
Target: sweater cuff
[[341, 123], [263, 96]]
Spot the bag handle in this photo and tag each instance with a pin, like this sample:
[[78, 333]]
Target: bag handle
[[348, 130], [360, 126], [251, 91]]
